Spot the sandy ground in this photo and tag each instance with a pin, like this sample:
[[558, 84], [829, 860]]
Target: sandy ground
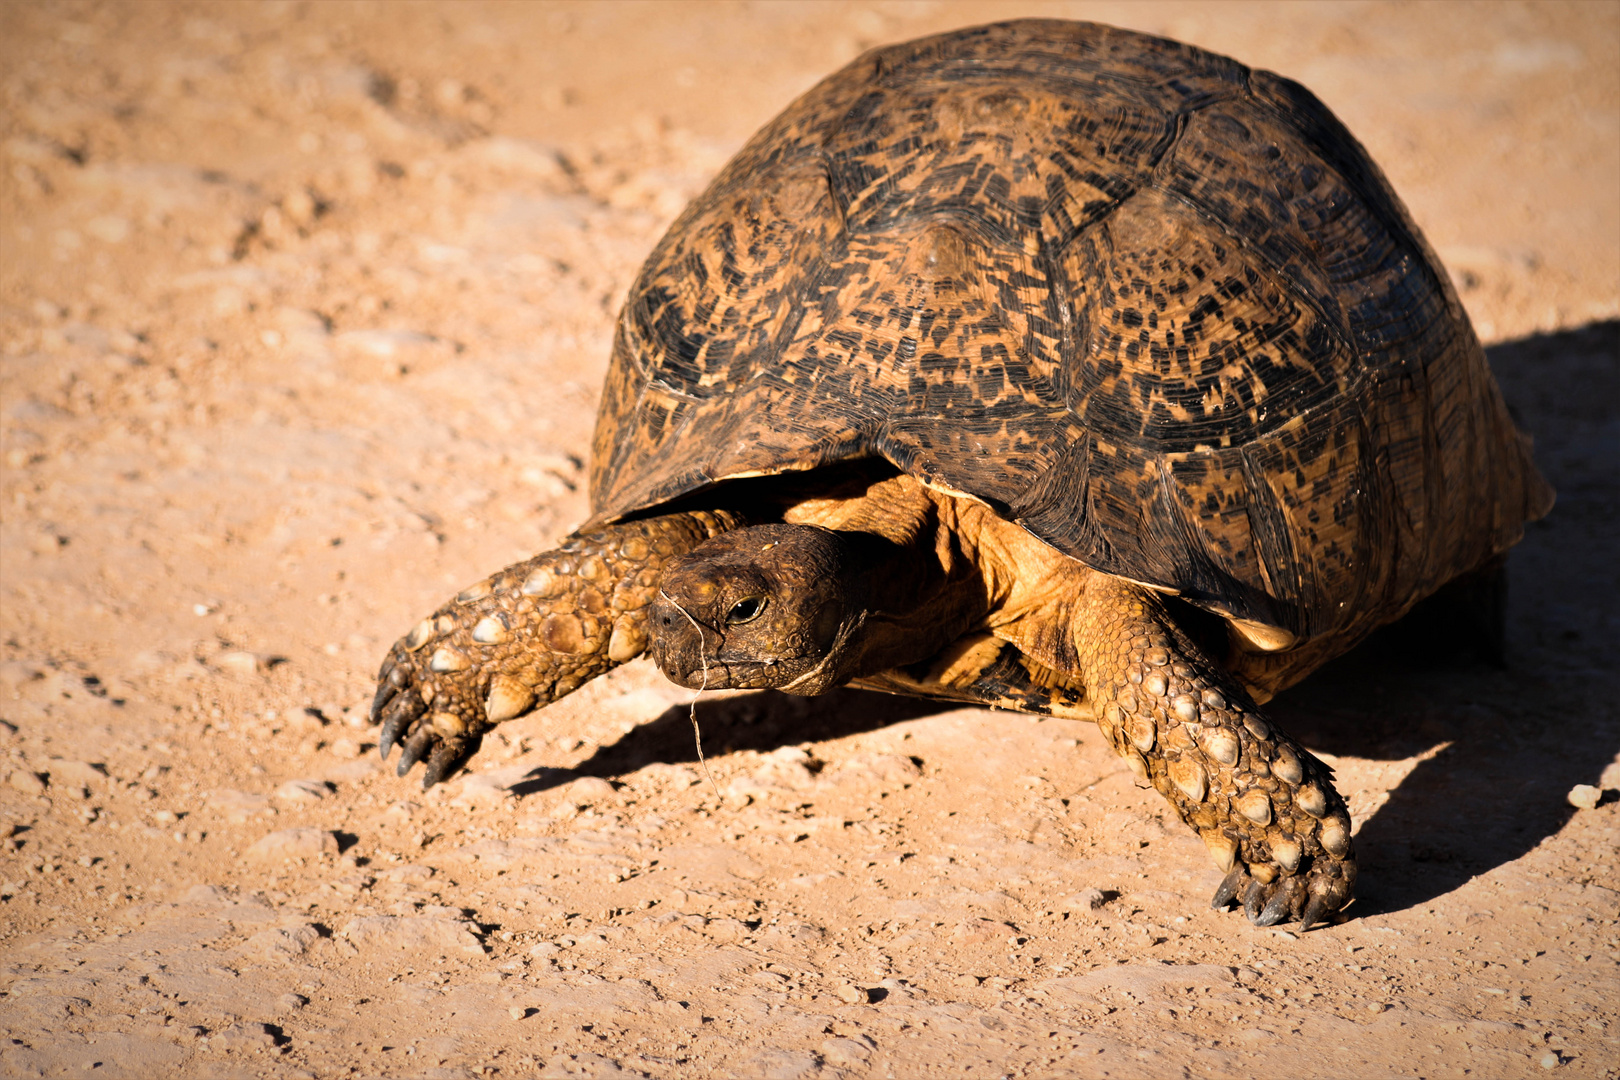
[[303, 313]]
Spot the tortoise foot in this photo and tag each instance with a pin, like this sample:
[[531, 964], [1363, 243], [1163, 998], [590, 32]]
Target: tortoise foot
[[1265, 806], [1312, 899], [443, 738], [434, 694], [524, 637]]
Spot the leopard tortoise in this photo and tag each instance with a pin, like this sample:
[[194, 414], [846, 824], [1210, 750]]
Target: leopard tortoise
[[1041, 365]]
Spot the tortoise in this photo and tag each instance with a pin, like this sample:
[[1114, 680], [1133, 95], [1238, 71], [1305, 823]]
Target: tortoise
[[1040, 365]]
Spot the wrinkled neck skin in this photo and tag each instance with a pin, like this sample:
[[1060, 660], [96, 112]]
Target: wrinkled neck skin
[[845, 587]]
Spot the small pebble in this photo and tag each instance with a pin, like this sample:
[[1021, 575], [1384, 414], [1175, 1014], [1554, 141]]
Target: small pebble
[[589, 791], [346, 748], [1584, 797], [26, 782], [78, 774], [303, 791], [1376, 1007], [1550, 1061], [851, 993], [244, 663], [1085, 900], [517, 1013], [293, 844]]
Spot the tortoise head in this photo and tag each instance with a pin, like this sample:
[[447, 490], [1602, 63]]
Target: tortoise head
[[769, 606]]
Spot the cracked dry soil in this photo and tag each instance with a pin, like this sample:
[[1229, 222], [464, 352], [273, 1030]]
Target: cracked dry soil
[[303, 310]]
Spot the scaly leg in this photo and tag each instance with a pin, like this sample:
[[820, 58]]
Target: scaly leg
[[1266, 809], [527, 636]]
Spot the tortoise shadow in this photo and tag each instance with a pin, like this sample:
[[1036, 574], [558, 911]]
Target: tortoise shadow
[[762, 722], [1493, 764], [1498, 746]]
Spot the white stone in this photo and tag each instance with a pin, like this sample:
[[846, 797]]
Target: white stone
[[245, 663], [1585, 796]]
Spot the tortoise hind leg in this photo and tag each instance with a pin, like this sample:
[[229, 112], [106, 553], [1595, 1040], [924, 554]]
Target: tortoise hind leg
[[526, 636], [1264, 806], [982, 669]]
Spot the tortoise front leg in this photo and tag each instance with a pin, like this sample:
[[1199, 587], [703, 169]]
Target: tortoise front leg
[[526, 636], [1265, 807]]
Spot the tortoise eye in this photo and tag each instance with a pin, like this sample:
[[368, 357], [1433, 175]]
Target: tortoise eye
[[745, 610]]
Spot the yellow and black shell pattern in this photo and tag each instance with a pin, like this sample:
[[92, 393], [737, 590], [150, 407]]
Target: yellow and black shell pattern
[[1158, 308]]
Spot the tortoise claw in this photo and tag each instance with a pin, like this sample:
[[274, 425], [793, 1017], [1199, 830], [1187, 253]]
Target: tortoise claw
[[1278, 907], [1254, 899], [447, 757], [1316, 911], [418, 744], [386, 692], [1228, 888], [391, 679], [404, 711]]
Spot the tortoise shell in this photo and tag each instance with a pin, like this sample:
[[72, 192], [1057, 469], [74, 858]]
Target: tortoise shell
[[1159, 309]]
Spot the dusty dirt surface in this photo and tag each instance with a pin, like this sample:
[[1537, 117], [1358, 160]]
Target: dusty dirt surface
[[303, 311]]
